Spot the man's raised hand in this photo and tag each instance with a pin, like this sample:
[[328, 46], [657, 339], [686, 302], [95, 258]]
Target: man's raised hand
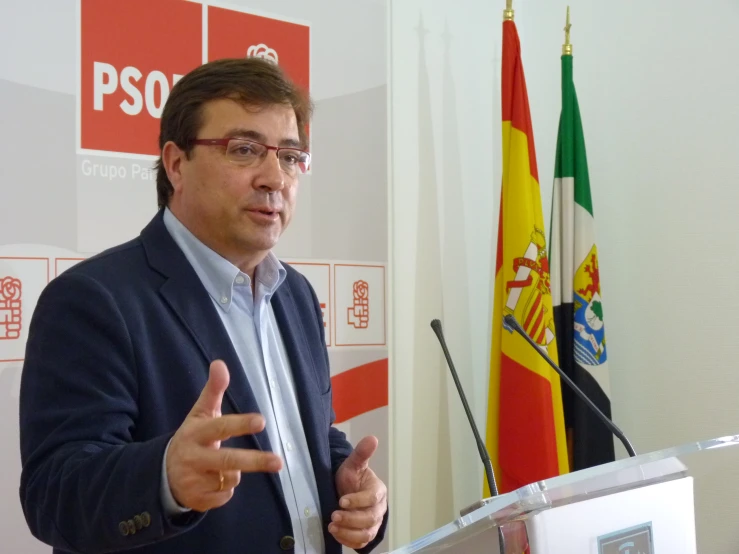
[[201, 474]]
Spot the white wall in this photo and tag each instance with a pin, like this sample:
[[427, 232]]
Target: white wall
[[657, 84], [443, 116]]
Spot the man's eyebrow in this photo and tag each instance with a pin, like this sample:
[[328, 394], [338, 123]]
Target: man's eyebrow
[[290, 143], [240, 132]]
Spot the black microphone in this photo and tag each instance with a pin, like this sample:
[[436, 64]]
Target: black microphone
[[510, 323], [484, 456]]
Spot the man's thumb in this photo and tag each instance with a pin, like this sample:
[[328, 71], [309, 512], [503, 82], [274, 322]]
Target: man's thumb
[[359, 458], [209, 402]]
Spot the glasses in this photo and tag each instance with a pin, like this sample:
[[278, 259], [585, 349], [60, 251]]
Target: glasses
[[248, 153]]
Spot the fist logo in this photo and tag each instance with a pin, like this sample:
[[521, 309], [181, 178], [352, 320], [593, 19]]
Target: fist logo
[[262, 51]]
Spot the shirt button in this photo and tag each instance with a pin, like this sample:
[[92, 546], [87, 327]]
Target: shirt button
[[224, 299], [272, 383], [240, 280], [289, 446], [306, 512]]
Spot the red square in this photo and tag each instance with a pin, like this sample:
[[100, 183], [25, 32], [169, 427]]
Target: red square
[[235, 34], [131, 54]]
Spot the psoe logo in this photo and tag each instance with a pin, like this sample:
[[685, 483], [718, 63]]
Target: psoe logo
[[10, 308], [131, 54], [130, 58], [262, 51], [156, 86], [358, 314]]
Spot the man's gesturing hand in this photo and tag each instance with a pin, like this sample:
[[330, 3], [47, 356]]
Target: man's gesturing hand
[[201, 474], [363, 497]]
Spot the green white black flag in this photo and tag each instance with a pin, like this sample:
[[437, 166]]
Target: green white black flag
[[576, 292]]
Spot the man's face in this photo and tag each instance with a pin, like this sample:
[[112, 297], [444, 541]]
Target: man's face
[[240, 212]]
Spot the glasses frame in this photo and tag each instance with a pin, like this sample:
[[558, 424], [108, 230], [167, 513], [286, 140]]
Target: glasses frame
[[225, 141]]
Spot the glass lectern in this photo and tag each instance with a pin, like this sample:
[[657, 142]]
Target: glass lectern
[[638, 505]]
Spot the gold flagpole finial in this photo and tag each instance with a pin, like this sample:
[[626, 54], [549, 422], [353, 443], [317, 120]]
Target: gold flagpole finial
[[508, 13], [567, 47]]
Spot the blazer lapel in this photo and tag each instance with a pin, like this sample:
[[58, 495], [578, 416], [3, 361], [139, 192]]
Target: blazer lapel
[[187, 297]]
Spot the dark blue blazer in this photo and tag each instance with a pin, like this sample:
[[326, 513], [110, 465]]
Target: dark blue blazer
[[118, 351]]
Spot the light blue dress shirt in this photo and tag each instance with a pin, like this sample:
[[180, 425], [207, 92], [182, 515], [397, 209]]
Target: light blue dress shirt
[[250, 322]]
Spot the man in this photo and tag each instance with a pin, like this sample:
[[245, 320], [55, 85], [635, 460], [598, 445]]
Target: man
[[176, 395]]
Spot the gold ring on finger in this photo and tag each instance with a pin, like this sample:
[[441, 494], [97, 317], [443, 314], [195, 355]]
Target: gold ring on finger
[[220, 479]]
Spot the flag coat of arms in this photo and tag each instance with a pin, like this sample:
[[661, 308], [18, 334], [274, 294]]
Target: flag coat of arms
[[525, 431]]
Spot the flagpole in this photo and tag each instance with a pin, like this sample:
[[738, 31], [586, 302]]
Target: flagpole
[[508, 12], [567, 46]]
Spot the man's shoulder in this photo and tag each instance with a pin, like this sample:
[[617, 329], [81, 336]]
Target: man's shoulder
[[117, 275], [111, 260], [116, 266]]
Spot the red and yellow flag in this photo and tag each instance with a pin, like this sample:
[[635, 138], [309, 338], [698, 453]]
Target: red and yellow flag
[[525, 424]]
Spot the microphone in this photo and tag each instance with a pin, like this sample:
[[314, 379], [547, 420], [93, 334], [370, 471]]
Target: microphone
[[511, 324], [484, 456]]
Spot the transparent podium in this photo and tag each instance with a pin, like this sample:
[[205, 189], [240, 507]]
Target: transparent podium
[[638, 505]]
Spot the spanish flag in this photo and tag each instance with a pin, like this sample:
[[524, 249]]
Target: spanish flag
[[525, 425]]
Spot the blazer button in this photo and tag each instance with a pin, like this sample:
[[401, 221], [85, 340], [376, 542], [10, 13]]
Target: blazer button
[[123, 528], [146, 519], [138, 522], [287, 542], [131, 527]]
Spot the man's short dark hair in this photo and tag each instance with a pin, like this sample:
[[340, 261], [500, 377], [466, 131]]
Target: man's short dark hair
[[250, 81]]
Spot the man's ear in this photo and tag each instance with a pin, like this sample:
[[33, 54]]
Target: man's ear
[[172, 158]]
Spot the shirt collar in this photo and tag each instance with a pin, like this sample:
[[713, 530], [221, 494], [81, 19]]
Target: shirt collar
[[217, 274]]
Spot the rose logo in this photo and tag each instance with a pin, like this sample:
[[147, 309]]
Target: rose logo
[[10, 289], [262, 51], [361, 289]]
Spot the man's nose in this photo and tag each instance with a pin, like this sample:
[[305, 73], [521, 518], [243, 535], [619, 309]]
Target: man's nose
[[271, 176]]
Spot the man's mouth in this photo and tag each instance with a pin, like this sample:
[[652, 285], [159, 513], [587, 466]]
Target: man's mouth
[[264, 213], [269, 210]]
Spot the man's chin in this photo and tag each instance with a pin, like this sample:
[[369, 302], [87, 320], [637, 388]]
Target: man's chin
[[260, 242]]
